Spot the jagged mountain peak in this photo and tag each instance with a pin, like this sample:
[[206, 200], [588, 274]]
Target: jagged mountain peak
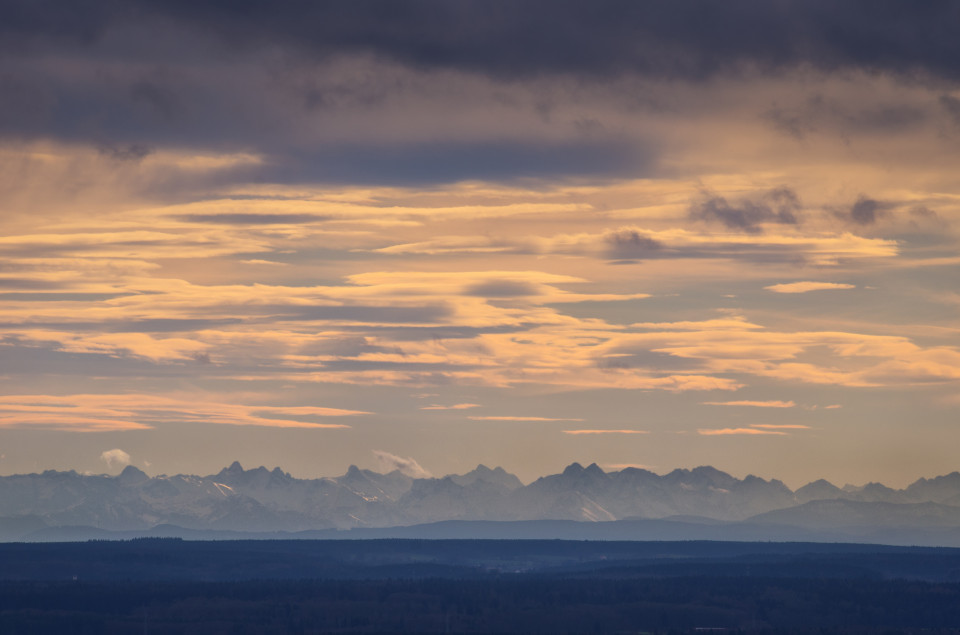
[[482, 473], [709, 471], [820, 482], [355, 473], [235, 474], [952, 477], [702, 475], [818, 490], [271, 498], [131, 475], [942, 489], [577, 474]]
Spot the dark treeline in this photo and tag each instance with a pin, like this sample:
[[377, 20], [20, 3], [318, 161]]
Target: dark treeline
[[525, 604], [166, 559], [475, 586]]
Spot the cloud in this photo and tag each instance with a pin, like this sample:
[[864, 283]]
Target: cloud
[[754, 404], [805, 287], [354, 99], [512, 418], [113, 412], [390, 462], [694, 42], [502, 289], [629, 244], [459, 406], [732, 323], [922, 217], [778, 206], [133, 152], [864, 211], [779, 426], [819, 113], [737, 431], [624, 466], [115, 458], [606, 432], [252, 219], [270, 263], [952, 107]]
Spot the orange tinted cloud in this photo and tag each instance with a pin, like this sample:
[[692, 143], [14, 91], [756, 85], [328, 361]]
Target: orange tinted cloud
[[806, 287], [779, 426], [512, 418], [754, 404], [606, 432], [736, 431], [459, 406], [96, 413]]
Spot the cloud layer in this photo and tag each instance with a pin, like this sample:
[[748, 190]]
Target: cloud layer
[[240, 229]]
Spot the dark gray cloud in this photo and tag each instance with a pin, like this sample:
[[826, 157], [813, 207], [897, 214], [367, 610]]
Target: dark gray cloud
[[952, 107], [252, 219], [427, 333], [863, 212], [43, 360], [779, 205], [131, 152], [358, 313], [924, 217], [27, 296], [348, 347], [457, 161], [794, 123], [31, 284], [248, 76], [155, 325], [686, 39], [885, 118], [818, 114], [625, 358], [502, 289], [351, 365], [629, 244]]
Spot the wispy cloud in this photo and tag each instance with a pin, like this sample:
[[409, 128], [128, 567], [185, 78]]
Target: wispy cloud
[[406, 465], [606, 432], [737, 431], [459, 406], [806, 287], [623, 466], [779, 426], [115, 458], [518, 418], [106, 412], [752, 404]]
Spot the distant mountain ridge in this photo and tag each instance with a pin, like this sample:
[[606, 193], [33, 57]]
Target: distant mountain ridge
[[262, 500]]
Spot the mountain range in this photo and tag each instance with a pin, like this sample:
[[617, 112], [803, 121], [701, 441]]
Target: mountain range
[[584, 502]]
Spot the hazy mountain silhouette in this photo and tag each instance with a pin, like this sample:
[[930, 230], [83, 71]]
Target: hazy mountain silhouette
[[700, 503]]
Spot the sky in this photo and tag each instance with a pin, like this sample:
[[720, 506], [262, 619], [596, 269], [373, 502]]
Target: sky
[[427, 235]]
